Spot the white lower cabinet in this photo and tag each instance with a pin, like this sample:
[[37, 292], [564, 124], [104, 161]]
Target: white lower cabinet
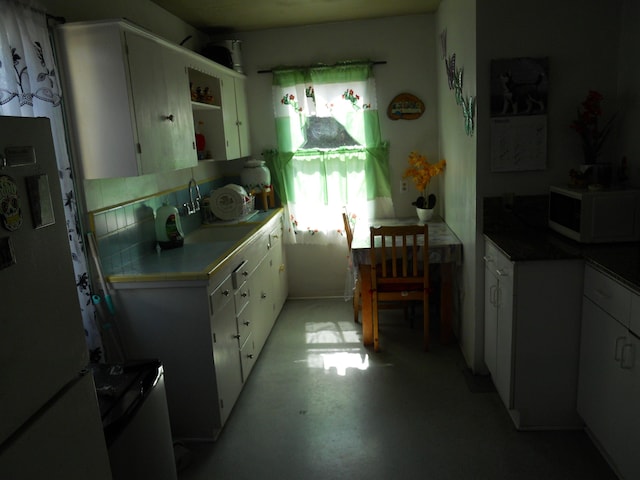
[[609, 381], [208, 334], [531, 338]]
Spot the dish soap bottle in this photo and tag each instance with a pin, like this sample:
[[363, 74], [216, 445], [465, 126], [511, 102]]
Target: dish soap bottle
[[168, 229]]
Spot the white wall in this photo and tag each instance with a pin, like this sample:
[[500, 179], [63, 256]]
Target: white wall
[[407, 44], [458, 18]]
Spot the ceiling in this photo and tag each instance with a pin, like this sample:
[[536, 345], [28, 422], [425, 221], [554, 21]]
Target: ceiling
[[220, 16]]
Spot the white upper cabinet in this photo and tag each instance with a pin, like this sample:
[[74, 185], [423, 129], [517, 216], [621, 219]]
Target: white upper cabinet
[[224, 120], [162, 106], [236, 125], [128, 101]]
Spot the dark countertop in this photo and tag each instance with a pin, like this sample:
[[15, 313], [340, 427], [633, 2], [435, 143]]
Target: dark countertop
[[520, 229], [621, 260]]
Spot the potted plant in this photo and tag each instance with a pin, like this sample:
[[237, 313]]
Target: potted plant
[[421, 172], [593, 134]]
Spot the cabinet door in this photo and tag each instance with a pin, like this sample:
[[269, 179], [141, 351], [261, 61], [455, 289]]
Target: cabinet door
[[226, 348], [230, 118], [504, 338], [490, 318], [242, 112], [235, 117], [601, 395], [162, 107]]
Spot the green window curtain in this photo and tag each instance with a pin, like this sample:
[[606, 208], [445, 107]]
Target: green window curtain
[[330, 154]]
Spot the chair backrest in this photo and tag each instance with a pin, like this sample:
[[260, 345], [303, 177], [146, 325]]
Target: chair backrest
[[347, 228], [399, 255]]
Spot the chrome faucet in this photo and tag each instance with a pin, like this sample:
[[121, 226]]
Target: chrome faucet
[[194, 200]]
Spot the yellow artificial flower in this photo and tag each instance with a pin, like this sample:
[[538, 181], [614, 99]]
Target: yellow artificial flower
[[421, 171]]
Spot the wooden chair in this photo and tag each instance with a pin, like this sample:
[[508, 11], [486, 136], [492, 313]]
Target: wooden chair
[[356, 291], [400, 270]]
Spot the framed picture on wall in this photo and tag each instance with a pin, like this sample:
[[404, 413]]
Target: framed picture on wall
[[519, 93]]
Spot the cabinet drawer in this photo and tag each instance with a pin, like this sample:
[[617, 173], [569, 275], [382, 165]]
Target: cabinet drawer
[[247, 357], [608, 294], [240, 274], [275, 237], [253, 255], [221, 295], [244, 325], [497, 262], [241, 297]]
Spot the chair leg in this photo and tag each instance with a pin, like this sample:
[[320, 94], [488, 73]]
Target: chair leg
[[425, 315], [374, 307], [356, 301]]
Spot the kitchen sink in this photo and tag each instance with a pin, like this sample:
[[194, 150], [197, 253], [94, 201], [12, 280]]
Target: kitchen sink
[[220, 233]]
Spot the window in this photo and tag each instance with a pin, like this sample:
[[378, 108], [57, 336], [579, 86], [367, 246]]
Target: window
[[330, 154]]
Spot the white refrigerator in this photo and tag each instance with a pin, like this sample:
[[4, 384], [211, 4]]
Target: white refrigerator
[[50, 424]]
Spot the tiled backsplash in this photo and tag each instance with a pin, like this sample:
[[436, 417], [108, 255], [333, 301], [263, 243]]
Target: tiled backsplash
[[127, 231]]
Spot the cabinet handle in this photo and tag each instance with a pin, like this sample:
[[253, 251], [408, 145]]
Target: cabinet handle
[[627, 361], [237, 336], [492, 295], [245, 274], [169, 117], [264, 295], [487, 259], [249, 356], [225, 293], [281, 267], [246, 323], [500, 272], [617, 355], [244, 294]]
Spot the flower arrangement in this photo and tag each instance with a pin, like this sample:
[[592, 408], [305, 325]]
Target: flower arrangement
[[421, 172], [587, 126]]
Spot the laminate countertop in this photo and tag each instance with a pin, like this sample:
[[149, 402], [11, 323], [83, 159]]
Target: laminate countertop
[[621, 260]]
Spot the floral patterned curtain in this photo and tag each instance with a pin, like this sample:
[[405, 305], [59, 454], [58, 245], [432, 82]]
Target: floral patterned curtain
[[29, 88], [330, 154]]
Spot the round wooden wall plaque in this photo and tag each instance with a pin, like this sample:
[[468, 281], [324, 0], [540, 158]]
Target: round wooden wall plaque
[[406, 107]]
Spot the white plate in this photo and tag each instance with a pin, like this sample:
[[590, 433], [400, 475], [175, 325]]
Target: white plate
[[227, 203]]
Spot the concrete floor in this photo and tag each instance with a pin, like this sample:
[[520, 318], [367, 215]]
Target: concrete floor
[[318, 405]]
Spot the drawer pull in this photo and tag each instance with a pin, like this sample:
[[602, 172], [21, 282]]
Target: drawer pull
[[245, 274], [237, 336], [246, 323], [244, 294], [617, 355], [628, 356], [225, 293], [250, 356]]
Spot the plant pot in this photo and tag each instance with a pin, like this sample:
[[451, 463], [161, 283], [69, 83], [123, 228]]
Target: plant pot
[[424, 214]]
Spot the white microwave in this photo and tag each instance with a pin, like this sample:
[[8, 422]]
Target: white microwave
[[600, 216]]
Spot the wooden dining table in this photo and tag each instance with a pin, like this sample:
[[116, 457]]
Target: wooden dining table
[[445, 249]]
